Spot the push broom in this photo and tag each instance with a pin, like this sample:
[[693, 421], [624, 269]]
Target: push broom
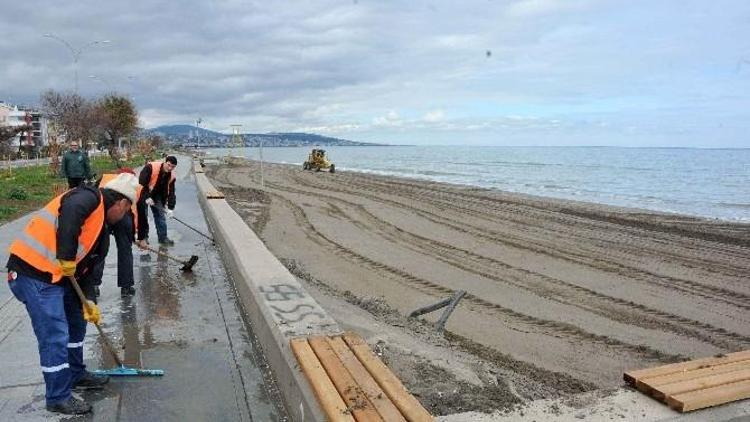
[[187, 266], [121, 370]]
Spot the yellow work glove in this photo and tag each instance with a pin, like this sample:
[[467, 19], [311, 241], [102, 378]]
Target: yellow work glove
[[91, 313], [68, 267]]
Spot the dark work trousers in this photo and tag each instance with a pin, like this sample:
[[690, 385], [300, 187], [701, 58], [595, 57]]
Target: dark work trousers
[[58, 323], [160, 220], [123, 233], [124, 238], [74, 182]]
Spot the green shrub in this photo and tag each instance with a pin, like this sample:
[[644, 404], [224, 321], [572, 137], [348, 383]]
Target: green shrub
[[18, 193]]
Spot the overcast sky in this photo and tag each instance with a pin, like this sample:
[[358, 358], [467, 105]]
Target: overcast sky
[[492, 72]]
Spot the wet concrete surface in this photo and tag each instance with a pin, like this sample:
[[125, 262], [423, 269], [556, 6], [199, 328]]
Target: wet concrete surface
[[188, 324]]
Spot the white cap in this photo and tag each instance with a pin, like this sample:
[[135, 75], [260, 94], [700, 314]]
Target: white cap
[[124, 183]]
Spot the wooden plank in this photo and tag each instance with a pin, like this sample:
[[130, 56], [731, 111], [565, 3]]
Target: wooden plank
[[387, 410], [330, 400], [214, 195], [654, 382], [701, 383], [406, 403], [353, 395], [710, 397], [631, 376]]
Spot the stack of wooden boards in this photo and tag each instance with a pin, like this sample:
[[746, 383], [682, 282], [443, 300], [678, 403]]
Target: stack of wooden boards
[[351, 383], [696, 384], [214, 195]]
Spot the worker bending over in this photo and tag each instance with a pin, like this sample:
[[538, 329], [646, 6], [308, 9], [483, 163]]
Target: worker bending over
[[68, 237], [124, 233]]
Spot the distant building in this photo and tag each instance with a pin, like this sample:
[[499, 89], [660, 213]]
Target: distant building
[[4, 112], [39, 126], [37, 138]]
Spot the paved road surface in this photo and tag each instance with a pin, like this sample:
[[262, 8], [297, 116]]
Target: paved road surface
[[189, 325]]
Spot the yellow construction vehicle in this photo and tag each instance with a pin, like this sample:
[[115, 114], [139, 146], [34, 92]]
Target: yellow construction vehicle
[[318, 161]]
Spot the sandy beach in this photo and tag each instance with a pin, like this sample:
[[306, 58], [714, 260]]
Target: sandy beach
[[562, 297]]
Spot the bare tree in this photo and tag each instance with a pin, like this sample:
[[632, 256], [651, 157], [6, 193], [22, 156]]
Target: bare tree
[[72, 114], [147, 146], [116, 118], [54, 149]]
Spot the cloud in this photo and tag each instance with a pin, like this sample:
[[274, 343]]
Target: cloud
[[528, 8], [375, 68], [391, 119], [434, 116]]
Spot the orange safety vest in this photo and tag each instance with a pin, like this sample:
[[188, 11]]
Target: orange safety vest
[[106, 178], [37, 244], [155, 169]]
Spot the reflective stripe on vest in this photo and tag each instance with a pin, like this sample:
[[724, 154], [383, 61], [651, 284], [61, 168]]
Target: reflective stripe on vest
[[37, 243], [155, 169], [108, 177]]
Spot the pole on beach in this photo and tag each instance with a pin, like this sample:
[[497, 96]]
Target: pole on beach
[[262, 185], [451, 304], [440, 326]]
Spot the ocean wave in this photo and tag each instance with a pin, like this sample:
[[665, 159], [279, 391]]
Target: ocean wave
[[735, 205], [527, 163], [437, 173]]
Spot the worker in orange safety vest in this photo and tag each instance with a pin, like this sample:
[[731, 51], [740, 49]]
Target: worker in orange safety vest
[[68, 237], [158, 181]]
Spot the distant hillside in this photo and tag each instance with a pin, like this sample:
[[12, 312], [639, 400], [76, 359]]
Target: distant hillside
[[188, 135], [183, 130]]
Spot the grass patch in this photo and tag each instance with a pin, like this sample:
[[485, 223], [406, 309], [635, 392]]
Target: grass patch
[[103, 164], [6, 211], [26, 189]]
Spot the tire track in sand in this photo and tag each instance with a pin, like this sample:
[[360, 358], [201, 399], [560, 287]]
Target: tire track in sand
[[729, 297], [513, 319], [616, 309]]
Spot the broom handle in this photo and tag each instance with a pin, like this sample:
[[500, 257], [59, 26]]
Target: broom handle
[[102, 335], [194, 229], [164, 210], [156, 251]]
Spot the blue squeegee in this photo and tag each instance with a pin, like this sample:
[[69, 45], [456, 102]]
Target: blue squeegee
[[124, 371], [121, 370]]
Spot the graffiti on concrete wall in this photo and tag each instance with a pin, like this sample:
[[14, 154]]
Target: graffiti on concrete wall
[[291, 310]]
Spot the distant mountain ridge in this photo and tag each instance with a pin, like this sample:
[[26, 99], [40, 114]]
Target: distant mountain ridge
[[188, 135]]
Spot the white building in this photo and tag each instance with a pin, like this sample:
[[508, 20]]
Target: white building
[[5, 110], [18, 116]]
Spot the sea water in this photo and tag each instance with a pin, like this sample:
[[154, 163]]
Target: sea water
[[713, 183]]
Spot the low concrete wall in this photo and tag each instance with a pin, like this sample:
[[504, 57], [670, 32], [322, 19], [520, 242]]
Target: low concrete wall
[[279, 308]]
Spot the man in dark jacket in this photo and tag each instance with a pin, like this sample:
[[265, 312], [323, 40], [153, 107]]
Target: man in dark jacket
[[68, 237], [124, 233], [158, 181], [75, 166]]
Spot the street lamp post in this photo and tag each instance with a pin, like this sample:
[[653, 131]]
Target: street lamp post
[[198, 131], [76, 52]]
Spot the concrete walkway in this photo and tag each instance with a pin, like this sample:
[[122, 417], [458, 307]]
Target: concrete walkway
[[190, 325]]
